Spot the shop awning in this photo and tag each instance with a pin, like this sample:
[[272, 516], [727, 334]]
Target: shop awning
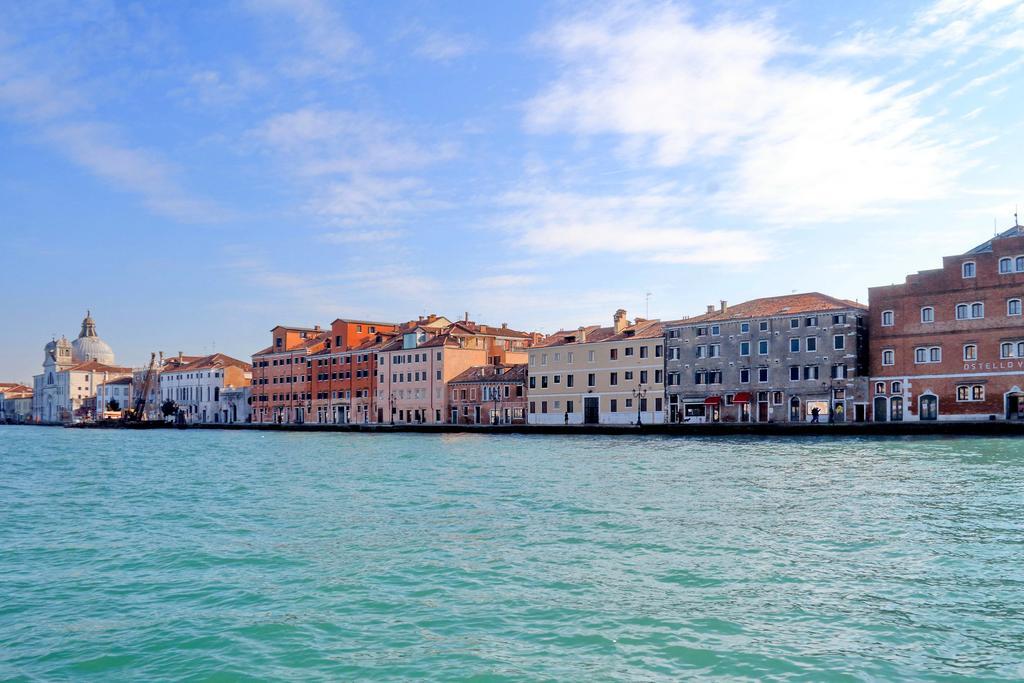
[[713, 400], [742, 397]]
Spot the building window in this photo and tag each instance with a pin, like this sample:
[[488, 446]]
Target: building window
[[970, 352], [794, 373], [716, 330], [970, 392], [762, 347], [744, 375], [591, 379], [613, 405], [810, 372], [811, 343], [888, 357], [714, 350], [763, 325], [700, 351], [1013, 307], [977, 310], [879, 387], [794, 323], [762, 374], [745, 348], [897, 387], [794, 345], [811, 321], [839, 319], [968, 269], [1005, 265], [590, 356], [888, 318], [569, 381], [613, 354], [963, 311], [838, 342], [925, 354], [613, 378], [569, 357], [644, 350], [839, 371], [927, 314], [744, 328]]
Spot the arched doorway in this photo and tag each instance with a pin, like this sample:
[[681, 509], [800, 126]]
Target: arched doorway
[[896, 409], [1015, 404], [881, 409], [928, 407], [794, 410]]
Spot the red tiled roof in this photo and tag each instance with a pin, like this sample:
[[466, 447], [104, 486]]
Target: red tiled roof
[[808, 302], [645, 329], [486, 373], [214, 360]]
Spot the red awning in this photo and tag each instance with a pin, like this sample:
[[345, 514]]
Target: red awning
[[712, 400], [742, 397]]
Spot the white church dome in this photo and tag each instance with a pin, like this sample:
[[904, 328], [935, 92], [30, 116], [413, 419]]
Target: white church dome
[[89, 346]]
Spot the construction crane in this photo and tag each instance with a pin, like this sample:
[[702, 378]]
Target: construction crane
[[142, 401]]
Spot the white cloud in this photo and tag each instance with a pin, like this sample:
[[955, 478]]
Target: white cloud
[[326, 45], [444, 47], [361, 165], [325, 141], [645, 226], [793, 145], [59, 114]]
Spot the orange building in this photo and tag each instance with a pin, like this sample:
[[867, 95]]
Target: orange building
[[344, 372], [281, 375]]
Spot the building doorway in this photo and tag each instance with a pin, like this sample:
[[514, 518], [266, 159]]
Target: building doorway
[[762, 411], [1015, 405], [794, 410], [896, 409], [591, 410], [476, 414], [929, 407], [881, 409]]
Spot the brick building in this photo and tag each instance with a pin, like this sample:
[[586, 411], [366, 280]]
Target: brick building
[[489, 394], [344, 372], [948, 344], [281, 385], [776, 359]]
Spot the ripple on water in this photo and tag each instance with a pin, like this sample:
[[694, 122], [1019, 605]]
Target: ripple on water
[[327, 556]]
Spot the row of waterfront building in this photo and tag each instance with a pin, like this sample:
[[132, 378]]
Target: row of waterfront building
[[946, 344]]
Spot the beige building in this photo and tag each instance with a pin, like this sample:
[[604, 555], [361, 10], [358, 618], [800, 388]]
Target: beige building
[[599, 375], [413, 371]]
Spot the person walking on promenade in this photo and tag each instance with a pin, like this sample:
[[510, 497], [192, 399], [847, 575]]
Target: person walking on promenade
[[567, 417], [814, 414]]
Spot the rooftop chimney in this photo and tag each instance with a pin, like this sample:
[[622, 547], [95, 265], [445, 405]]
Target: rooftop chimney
[[620, 320], [725, 305], [466, 318], [180, 356], [711, 308], [582, 336], [504, 326]]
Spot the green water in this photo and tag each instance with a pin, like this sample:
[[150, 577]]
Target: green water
[[239, 555]]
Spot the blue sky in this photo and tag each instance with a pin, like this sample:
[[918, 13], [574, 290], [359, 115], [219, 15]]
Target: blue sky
[[198, 172]]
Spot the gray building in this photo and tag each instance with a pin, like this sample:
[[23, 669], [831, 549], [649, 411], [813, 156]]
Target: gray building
[[777, 359]]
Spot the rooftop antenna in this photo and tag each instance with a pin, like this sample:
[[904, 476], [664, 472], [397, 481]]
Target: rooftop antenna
[[647, 305]]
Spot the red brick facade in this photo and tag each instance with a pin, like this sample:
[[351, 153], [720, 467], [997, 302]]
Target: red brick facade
[[948, 344], [281, 385]]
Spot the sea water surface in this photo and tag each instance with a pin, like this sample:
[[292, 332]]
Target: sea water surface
[[216, 555]]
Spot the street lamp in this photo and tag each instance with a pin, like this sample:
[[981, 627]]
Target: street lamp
[[639, 395], [496, 399], [391, 406]]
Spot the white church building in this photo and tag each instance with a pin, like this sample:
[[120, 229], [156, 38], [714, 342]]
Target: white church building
[[66, 389]]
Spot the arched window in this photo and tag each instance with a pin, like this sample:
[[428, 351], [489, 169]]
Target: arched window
[[1020, 349], [897, 387], [977, 310], [1019, 264], [927, 314], [1013, 307], [888, 357], [968, 268], [970, 352], [963, 311], [1006, 265], [879, 387], [888, 318], [1006, 350]]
